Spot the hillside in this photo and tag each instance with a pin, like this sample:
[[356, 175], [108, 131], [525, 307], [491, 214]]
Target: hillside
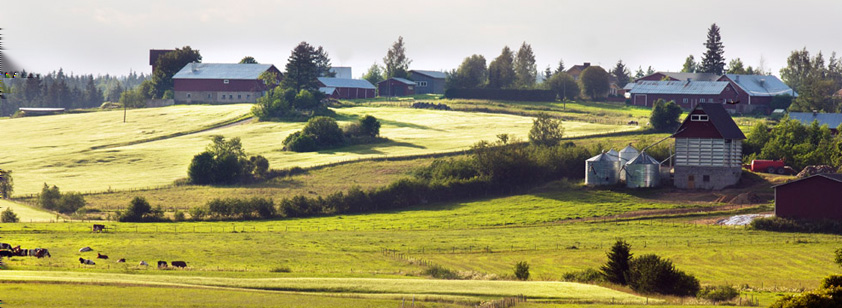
[[97, 152]]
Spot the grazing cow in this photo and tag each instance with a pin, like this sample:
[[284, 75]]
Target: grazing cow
[[122, 260], [6, 253], [143, 263], [84, 249], [181, 264], [42, 252], [86, 261], [5, 246], [101, 256], [98, 228], [162, 264]]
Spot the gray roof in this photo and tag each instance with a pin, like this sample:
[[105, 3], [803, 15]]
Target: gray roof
[[346, 83], [643, 159], [691, 76], [221, 71], [404, 81], [679, 87], [327, 90], [761, 85], [431, 74], [831, 119]]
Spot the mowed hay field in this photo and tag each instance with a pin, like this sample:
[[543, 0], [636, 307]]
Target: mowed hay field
[[97, 152]]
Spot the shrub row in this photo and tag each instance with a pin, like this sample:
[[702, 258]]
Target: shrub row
[[231, 208], [795, 225], [503, 94]]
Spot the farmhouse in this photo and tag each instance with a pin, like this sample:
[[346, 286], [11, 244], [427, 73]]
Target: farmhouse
[[686, 94], [577, 70], [428, 82], [216, 83], [395, 87], [832, 120], [816, 197], [346, 88], [708, 149]]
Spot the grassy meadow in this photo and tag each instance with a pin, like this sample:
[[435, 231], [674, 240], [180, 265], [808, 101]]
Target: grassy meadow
[[97, 152]]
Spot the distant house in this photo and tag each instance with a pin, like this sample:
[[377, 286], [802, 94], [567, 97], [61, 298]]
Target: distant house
[[428, 82], [346, 88], [395, 87], [815, 197], [154, 54], [577, 70], [341, 71], [708, 149], [832, 120], [687, 94], [216, 83]]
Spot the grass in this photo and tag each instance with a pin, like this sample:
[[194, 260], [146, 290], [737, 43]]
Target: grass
[[95, 152], [27, 213]]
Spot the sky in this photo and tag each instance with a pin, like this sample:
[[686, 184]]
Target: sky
[[114, 37]]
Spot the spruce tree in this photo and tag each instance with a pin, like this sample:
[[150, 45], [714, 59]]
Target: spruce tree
[[617, 267], [524, 65], [713, 61]]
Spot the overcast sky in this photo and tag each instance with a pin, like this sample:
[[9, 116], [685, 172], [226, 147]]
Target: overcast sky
[[114, 37]]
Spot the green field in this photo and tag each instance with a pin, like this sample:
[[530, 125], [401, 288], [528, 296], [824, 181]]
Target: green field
[[96, 152], [27, 213]]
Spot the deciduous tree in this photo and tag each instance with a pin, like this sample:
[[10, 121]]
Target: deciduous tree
[[397, 64], [594, 81], [374, 74], [471, 74], [546, 131], [501, 72], [664, 117], [690, 65], [525, 68], [248, 60], [168, 65]]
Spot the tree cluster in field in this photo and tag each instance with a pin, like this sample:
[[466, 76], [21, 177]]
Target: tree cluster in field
[[225, 162], [665, 116], [780, 224], [322, 133], [9, 216], [288, 104], [139, 210], [7, 184], [647, 273], [52, 199], [797, 144], [58, 90], [235, 209]]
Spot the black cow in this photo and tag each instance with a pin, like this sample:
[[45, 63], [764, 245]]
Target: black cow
[[162, 264], [122, 260], [86, 261], [5, 246], [6, 253], [42, 252], [181, 264], [101, 256]]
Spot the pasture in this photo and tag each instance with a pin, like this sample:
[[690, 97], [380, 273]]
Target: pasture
[[97, 152]]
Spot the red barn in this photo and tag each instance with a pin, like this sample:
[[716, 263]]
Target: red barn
[[687, 94], [708, 149], [757, 91], [816, 197], [215, 83], [396, 87], [346, 88]]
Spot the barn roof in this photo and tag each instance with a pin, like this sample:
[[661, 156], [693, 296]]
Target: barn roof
[[719, 117], [346, 83], [327, 90], [833, 120], [221, 71], [401, 80], [431, 74], [691, 76], [761, 85], [679, 87], [831, 176]]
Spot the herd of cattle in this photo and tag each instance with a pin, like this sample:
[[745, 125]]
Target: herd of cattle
[[6, 250]]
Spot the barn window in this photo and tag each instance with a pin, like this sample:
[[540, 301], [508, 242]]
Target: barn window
[[239, 96], [209, 95], [686, 100], [188, 95], [231, 96], [705, 178], [699, 117], [248, 96], [422, 84], [225, 81]]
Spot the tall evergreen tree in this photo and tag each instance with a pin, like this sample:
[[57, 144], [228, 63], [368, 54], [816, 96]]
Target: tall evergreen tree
[[397, 64], [301, 69], [323, 63], [622, 73], [713, 60], [93, 97], [548, 73], [617, 268], [501, 72], [560, 68], [526, 70]]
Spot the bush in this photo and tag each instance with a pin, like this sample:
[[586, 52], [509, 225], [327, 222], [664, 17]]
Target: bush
[[651, 274], [831, 281], [224, 162], [178, 216], [140, 211], [820, 298], [617, 267], [664, 116], [370, 126], [9, 216], [52, 199], [325, 131], [585, 276], [780, 224], [231, 208], [198, 213], [522, 270], [70, 203], [545, 130], [439, 272], [718, 293], [298, 142]]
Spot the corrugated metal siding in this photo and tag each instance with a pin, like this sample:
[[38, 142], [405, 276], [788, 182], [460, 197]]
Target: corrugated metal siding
[[708, 152], [680, 87]]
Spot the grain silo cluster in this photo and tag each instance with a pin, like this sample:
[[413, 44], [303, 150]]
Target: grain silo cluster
[[635, 168]]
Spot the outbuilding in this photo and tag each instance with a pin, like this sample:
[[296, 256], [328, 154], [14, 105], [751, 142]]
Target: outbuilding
[[708, 149], [220, 83], [428, 82], [815, 197], [346, 88], [396, 87]]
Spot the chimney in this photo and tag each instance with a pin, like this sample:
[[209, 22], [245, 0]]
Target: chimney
[[193, 66], [737, 79], [762, 82], [587, 64]]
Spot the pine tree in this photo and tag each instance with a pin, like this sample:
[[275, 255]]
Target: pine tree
[[560, 68], [713, 61], [622, 73], [617, 267], [301, 69]]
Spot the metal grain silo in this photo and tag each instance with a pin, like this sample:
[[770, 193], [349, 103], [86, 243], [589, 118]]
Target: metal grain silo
[[642, 171], [602, 170], [626, 154]]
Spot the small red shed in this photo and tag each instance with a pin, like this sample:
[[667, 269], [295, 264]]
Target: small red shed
[[816, 197], [396, 87]]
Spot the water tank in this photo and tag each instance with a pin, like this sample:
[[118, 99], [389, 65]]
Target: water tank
[[642, 171], [626, 154], [602, 170]]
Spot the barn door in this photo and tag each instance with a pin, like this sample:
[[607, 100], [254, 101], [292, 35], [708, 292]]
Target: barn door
[[691, 182]]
